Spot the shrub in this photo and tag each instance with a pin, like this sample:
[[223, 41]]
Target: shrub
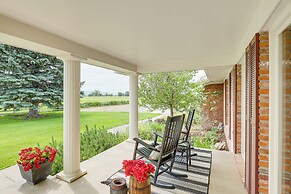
[[96, 104], [146, 131], [58, 162], [93, 142], [206, 141]]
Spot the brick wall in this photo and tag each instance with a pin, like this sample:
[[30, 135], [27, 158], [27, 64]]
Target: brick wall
[[286, 133], [226, 103], [263, 142], [233, 113], [238, 109], [212, 110]]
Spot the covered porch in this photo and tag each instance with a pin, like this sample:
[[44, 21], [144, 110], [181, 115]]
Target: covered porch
[[224, 177], [162, 36]]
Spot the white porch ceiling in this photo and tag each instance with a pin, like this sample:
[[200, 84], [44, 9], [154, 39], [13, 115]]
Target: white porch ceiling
[[153, 35]]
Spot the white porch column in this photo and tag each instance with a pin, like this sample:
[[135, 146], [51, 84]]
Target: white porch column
[[133, 103], [71, 131]]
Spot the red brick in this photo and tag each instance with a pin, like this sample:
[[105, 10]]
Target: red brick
[[264, 44], [263, 104], [263, 77], [264, 137], [263, 143], [265, 118], [263, 151]]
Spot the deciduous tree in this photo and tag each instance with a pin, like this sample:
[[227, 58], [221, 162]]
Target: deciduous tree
[[174, 91]]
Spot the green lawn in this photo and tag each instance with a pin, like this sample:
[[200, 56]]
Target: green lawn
[[104, 98], [17, 133]]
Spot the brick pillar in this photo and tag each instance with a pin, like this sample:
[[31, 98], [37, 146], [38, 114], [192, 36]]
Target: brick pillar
[[286, 114], [263, 163], [238, 109]]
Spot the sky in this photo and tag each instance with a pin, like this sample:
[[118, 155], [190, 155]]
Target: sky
[[105, 80]]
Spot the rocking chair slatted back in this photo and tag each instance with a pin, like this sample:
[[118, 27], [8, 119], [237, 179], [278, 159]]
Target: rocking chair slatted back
[[189, 123], [172, 134]]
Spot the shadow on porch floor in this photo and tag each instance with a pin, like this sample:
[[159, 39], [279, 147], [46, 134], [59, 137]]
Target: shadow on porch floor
[[224, 179]]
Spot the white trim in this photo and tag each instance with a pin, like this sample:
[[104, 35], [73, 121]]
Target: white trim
[[263, 13], [32, 38], [273, 115], [281, 21], [192, 64]]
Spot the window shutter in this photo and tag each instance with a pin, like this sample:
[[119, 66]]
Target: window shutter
[[229, 106], [252, 65], [233, 108]]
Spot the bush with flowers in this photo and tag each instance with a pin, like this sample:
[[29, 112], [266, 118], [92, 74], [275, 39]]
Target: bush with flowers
[[138, 169], [34, 157]]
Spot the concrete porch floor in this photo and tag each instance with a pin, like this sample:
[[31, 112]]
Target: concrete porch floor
[[225, 178]]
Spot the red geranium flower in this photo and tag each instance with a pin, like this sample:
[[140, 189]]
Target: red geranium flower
[[34, 157], [137, 168]]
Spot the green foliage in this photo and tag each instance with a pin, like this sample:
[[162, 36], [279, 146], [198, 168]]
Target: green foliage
[[82, 93], [28, 78], [27, 132], [96, 104], [120, 94], [95, 93], [104, 98], [58, 162], [206, 141], [175, 91], [146, 130], [93, 142], [200, 143]]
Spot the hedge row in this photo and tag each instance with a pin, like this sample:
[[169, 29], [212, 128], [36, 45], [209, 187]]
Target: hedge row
[[96, 104]]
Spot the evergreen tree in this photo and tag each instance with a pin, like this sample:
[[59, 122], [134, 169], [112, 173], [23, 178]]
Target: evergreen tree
[[28, 79], [82, 93]]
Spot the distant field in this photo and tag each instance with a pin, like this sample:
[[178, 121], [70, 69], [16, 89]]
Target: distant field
[[17, 133], [104, 98], [82, 100]]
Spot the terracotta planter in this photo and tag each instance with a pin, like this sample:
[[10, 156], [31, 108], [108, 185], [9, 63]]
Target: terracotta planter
[[136, 187], [36, 175]]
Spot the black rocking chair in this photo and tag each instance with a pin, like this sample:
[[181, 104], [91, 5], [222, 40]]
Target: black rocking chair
[[184, 145], [165, 152]]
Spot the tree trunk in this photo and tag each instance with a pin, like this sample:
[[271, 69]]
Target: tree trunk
[[33, 113], [171, 111]]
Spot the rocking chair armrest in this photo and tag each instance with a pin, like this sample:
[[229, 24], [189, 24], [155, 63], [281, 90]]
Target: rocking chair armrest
[[137, 140], [156, 137], [184, 142], [184, 132], [157, 134]]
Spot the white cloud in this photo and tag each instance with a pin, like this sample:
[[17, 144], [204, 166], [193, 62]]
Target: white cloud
[[97, 78]]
